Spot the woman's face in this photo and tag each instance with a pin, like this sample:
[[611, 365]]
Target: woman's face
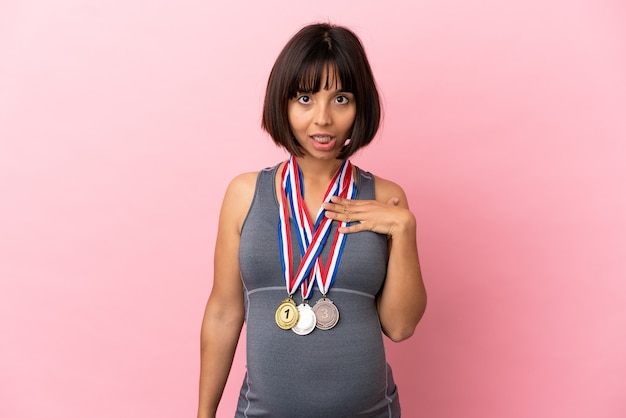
[[322, 121]]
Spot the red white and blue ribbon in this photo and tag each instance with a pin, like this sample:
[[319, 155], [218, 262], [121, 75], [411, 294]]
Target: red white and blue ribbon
[[311, 236], [326, 278]]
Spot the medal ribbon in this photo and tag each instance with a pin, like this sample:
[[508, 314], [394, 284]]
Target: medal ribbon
[[326, 278], [311, 237]]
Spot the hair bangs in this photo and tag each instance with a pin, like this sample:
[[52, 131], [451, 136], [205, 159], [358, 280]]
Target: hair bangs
[[323, 71]]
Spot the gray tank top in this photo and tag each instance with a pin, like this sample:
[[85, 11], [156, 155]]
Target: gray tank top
[[341, 372]]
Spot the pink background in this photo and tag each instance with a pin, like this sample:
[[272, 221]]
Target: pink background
[[121, 123]]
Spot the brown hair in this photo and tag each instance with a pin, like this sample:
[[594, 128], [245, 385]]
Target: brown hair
[[300, 67]]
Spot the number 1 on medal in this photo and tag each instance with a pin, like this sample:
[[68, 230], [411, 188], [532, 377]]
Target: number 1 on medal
[[286, 314]]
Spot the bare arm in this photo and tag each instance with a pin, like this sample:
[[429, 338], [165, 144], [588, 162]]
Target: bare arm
[[402, 300], [224, 314]]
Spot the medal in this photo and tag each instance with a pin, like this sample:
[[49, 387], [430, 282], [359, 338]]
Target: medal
[[311, 239], [286, 314], [306, 320], [326, 314]]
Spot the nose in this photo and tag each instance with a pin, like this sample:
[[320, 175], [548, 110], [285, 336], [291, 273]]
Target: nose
[[322, 114]]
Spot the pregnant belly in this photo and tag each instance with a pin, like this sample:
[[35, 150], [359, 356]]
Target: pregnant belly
[[336, 372]]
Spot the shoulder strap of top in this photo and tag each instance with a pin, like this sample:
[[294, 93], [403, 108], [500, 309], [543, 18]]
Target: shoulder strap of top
[[264, 200], [265, 192], [365, 185]]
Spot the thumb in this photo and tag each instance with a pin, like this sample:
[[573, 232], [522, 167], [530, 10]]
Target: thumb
[[393, 201]]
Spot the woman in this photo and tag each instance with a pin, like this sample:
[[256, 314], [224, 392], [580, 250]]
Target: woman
[[315, 255]]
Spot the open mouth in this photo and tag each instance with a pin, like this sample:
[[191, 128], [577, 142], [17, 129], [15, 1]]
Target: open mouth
[[322, 139]]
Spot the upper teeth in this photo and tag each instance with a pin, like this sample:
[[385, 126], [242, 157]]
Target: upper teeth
[[321, 138]]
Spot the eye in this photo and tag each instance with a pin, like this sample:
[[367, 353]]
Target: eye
[[304, 99], [342, 99]]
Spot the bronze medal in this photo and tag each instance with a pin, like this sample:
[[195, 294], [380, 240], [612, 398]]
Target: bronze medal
[[326, 313], [287, 314]]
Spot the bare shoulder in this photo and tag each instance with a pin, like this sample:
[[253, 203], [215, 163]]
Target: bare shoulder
[[386, 190], [243, 184]]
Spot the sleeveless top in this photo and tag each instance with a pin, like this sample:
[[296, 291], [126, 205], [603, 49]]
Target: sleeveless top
[[336, 373]]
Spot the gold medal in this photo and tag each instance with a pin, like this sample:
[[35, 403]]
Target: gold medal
[[287, 314], [326, 313]]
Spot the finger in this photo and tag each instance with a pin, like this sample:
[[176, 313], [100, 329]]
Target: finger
[[334, 207], [344, 207], [356, 227], [340, 216], [338, 200], [343, 201], [337, 215]]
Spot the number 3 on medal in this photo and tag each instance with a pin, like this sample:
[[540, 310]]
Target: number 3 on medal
[[323, 313]]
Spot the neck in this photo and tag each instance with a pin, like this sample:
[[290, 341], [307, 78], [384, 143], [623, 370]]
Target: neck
[[318, 170]]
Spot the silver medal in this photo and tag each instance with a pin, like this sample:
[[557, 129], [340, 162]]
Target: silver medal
[[326, 313], [306, 321]]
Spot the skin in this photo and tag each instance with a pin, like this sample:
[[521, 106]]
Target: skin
[[321, 123]]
